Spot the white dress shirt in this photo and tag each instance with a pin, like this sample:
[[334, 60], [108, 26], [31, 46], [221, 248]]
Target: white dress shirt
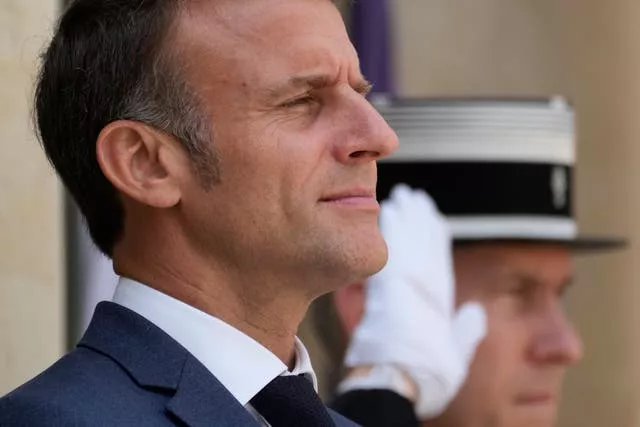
[[241, 364]]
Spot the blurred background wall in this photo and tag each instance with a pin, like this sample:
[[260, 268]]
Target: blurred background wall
[[31, 233], [588, 50]]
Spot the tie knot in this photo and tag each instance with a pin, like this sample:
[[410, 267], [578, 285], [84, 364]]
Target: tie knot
[[291, 400]]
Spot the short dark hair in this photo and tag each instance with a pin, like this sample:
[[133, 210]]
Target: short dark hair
[[108, 61]]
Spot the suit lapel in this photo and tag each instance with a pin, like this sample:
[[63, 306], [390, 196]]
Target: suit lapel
[[201, 400], [157, 362]]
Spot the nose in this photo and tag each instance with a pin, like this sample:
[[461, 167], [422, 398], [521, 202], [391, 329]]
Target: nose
[[557, 341], [367, 136]]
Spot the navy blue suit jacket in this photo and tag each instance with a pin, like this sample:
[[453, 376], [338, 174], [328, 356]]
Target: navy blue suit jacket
[[126, 372]]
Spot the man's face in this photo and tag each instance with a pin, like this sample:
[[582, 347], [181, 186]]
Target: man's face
[[517, 374], [296, 137]]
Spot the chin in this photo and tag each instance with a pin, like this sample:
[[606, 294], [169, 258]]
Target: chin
[[351, 254], [369, 257]]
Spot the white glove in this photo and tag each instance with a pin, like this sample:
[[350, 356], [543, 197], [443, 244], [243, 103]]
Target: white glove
[[410, 319]]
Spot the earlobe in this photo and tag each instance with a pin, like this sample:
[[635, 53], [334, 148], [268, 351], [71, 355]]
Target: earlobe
[[140, 162]]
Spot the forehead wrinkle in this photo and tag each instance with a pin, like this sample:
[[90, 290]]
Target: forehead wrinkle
[[316, 68], [212, 25], [261, 37], [211, 31], [204, 45], [251, 18]]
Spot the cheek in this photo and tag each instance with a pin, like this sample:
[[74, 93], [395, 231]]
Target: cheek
[[293, 158], [495, 360], [502, 348], [494, 373], [253, 169], [279, 171], [306, 171]]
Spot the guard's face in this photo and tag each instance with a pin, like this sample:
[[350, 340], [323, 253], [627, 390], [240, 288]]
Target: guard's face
[[296, 137], [517, 375]]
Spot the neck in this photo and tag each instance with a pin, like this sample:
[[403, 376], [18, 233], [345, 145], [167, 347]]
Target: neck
[[268, 309]]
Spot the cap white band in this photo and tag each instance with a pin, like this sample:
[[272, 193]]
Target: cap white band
[[512, 227], [526, 149], [490, 130]]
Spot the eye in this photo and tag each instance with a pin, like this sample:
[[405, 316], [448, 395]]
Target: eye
[[522, 289], [305, 99], [518, 289]]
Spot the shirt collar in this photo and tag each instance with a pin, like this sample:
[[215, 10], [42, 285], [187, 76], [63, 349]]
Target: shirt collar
[[241, 364]]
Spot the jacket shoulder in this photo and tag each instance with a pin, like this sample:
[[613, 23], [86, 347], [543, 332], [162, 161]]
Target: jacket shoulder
[[83, 388]]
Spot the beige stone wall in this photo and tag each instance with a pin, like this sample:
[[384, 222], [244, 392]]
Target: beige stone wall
[[590, 51], [603, 61], [31, 245], [476, 47]]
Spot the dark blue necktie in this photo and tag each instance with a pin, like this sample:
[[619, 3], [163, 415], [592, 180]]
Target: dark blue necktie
[[291, 401]]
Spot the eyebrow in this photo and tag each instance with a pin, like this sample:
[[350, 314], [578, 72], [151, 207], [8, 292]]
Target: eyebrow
[[315, 81]]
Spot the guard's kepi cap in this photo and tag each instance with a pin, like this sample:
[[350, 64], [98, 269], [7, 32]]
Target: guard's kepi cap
[[498, 169]]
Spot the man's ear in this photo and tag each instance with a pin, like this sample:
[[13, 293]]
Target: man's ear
[[141, 162], [349, 305]]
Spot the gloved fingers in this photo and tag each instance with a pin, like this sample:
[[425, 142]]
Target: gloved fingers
[[411, 218], [419, 245], [409, 198], [396, 223], [469, 329], [418, 205], [415, 206], [388, 217], [424, 220]]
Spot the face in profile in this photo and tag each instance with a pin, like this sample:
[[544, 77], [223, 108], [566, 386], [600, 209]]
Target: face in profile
[[517, 375], [297, 140]]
